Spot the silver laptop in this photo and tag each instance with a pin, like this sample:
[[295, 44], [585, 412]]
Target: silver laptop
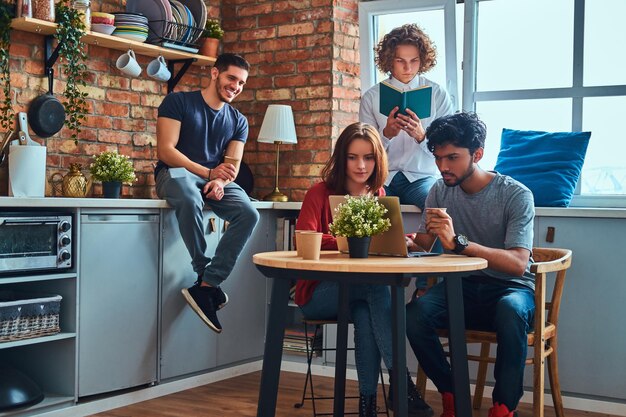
[[390, 243]]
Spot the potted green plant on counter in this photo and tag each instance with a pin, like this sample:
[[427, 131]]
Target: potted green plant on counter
[[112, 169], [211, 34], [358, 219]]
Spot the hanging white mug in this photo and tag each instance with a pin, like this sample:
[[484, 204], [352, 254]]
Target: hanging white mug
[[127, 63], [157, 69]]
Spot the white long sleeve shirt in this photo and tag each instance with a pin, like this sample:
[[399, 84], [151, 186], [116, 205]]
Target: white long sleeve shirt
[[404, 153]]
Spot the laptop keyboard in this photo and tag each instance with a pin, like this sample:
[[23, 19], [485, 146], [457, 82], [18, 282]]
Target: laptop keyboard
[[421, 254]]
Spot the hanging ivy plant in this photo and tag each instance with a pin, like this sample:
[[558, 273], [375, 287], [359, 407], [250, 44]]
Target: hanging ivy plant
[[72, 55], [6, 106]]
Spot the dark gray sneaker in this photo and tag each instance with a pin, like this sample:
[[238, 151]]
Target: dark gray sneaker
[[205, 301]]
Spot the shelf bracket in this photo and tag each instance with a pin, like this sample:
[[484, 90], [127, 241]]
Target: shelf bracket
[[50, 56], [171, 83]]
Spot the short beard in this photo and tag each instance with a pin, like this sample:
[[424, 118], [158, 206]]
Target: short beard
[[465, 176]]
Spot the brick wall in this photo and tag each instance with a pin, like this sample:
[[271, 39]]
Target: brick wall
[[303, 53]]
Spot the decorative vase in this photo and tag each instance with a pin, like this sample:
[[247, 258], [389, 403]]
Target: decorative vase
[[209, 47], [359, 247], [111, 189]]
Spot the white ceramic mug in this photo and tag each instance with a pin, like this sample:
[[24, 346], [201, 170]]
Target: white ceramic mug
[[127, 63], [157, 69]]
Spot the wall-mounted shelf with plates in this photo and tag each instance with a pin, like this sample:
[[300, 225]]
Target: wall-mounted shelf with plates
[[174, 56], [43, 27]]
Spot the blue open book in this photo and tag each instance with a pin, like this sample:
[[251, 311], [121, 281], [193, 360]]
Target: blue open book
[[418, 100]]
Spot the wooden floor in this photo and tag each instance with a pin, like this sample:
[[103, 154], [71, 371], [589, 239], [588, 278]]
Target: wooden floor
[[237, 397]]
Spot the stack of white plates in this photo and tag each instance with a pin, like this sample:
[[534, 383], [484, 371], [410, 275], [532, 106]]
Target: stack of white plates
[[133, 26]]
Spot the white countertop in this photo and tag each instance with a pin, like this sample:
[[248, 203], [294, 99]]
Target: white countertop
[[128, 203]]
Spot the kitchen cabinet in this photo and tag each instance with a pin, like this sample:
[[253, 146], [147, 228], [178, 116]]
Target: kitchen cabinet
[[50, 360], [592, 331], [188, 346], [119, 282]]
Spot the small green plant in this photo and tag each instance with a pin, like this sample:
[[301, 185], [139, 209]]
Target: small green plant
[[70, 30], [359, 217], [212, 29], [111, 166], [6, 104]]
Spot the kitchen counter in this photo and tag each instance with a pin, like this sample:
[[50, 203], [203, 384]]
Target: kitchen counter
[[128, 203], [121, 203]]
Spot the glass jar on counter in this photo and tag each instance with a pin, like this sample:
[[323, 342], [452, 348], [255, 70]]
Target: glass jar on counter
[[82, 6], [43, 9]]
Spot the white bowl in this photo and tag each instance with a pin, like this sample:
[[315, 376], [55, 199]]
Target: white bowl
[[102, 28]]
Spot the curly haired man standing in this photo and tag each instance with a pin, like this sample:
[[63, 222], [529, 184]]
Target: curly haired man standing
[[406, 53]]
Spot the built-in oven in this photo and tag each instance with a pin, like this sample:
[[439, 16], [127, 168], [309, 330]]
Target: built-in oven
[[34, 241]]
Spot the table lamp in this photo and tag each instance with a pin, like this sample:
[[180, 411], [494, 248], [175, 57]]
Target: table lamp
[[278, 127]]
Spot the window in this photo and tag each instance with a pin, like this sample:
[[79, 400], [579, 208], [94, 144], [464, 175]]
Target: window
[[528, 65], [377, 18], [559, 76]]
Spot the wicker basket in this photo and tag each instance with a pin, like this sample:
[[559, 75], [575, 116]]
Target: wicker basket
[[26, 315]]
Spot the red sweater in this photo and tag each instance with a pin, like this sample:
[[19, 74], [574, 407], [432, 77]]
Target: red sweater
[[316, 214]]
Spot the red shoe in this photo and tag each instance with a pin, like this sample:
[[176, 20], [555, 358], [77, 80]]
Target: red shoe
[[501, 410], [447, 398]]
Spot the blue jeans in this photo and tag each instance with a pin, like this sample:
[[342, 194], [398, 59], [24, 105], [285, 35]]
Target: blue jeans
[[509, 311], [370, 311], [183, 191], [414, 193]]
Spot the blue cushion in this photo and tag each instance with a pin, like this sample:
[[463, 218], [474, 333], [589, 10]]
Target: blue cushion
[[547, 163]]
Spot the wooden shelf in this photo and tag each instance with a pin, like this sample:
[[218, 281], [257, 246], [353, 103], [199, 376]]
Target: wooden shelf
[[43, 27]]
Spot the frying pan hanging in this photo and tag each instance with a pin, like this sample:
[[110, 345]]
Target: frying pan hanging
[[46, 113]]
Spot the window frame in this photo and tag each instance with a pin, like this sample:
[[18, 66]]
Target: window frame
[[369, 10]]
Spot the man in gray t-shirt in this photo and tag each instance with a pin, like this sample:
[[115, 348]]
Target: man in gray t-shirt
[[476, 213]]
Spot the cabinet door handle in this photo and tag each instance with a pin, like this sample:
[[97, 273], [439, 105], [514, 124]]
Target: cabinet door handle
[[226, 224], [550, 234]]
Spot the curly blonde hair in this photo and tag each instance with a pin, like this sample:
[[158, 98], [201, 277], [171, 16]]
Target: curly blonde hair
[[409, 34]]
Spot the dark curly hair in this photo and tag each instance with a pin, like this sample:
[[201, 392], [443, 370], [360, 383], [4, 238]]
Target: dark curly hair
[[464, 130], [409, 34]]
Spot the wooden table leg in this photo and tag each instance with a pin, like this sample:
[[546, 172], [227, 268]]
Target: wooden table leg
[[273, 353], [458, 347]]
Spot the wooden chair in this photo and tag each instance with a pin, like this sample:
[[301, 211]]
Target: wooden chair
[[308, 381], [543, 339]]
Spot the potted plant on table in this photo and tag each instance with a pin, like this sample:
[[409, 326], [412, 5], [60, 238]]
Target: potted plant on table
[[112, 169], [211, 34], [358, 219]]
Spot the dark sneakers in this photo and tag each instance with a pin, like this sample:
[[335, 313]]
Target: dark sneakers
[[205, 301]]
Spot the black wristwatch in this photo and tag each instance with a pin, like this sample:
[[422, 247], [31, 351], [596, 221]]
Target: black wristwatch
[[461, 243]]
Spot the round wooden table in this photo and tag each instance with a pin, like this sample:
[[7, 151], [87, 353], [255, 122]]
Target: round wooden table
[[382, 270]]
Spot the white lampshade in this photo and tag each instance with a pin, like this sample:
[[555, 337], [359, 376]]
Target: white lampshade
[[278, 125]]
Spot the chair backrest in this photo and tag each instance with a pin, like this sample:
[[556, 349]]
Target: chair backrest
[[548, 260]]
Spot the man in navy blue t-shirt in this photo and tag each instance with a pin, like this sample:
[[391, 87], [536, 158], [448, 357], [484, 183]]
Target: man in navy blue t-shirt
[[195, 132]]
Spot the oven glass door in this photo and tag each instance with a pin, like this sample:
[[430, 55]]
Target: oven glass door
[[27, 244]]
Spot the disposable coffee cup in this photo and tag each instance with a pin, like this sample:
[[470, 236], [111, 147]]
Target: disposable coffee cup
[[310, 245], [230, 160], [432, 211], [298, 243], [127, 63]]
